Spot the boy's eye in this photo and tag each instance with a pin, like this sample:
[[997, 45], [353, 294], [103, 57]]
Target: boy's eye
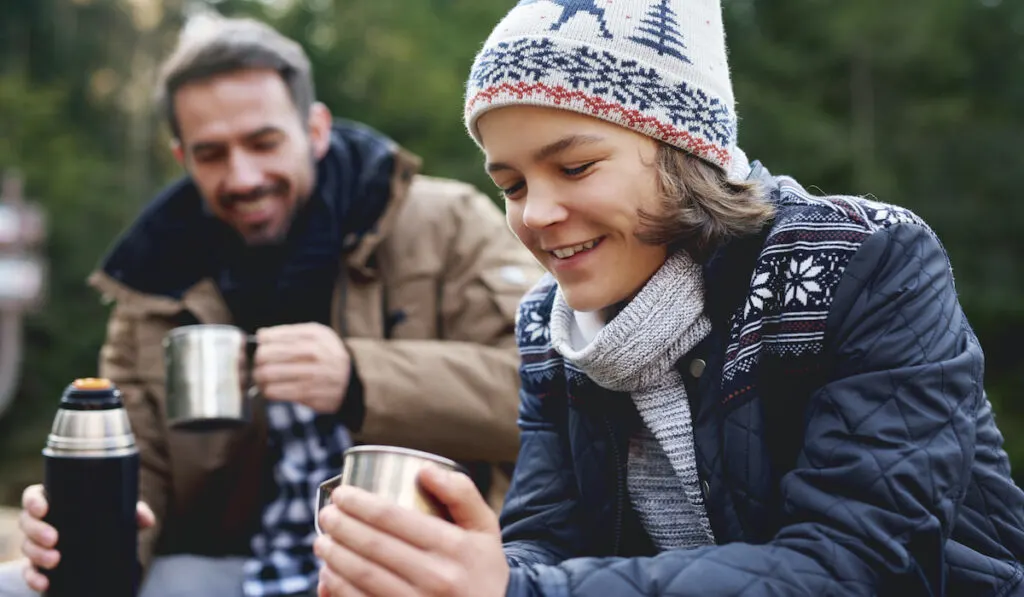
[[512, 190], [579, 169]]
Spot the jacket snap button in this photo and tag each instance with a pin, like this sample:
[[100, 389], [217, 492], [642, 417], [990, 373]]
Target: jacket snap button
[[697, 367], [706, 490]]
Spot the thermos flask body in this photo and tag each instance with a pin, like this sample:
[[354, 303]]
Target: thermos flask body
[[91, 481]]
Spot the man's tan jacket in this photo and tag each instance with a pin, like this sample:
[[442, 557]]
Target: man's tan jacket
[[444, 381]]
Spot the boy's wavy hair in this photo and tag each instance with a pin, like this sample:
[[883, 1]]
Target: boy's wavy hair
[[700, 207]]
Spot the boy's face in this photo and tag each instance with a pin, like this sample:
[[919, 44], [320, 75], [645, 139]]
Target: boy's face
[[573, 187]]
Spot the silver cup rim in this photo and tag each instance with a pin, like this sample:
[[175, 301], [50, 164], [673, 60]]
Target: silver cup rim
[[185, 329], [369, 448]]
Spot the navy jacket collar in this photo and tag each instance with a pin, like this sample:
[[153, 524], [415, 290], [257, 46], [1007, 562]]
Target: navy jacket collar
[[727, 272]]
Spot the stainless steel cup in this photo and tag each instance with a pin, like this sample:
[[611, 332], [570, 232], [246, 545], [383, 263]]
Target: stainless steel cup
[[209, 376], [387, 471]]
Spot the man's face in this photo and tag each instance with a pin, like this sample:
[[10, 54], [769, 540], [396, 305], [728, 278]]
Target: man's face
[[248, 151]]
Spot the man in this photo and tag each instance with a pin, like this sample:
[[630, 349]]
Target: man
[[383, 302]]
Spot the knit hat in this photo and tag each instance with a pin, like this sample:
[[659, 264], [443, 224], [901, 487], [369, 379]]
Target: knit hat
[[655, 66]]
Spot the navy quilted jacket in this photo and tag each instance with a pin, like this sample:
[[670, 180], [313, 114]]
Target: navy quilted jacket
[[843, 437]]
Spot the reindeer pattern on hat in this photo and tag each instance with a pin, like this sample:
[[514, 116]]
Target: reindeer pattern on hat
[[570, 8], [657, 29]]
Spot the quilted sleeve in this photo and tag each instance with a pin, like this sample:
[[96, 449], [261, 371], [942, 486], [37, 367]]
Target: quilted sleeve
[[884, 464], [540, 521]]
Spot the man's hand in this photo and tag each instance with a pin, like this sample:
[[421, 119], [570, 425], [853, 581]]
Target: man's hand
[[304, 363], [372, 547], [40, 537]]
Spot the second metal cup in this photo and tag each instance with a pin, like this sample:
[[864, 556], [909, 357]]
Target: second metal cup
[[209, 376], [388, 471]]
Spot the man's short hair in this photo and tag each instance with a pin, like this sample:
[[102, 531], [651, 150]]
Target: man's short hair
[[221, 45]]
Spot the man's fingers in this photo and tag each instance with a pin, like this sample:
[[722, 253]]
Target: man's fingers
[[34, 579], [296, 351], [145, 516], [287, 333], [36, 530], [457, 492], [286, 392], [311, 339], [284, 372], [40, 556], [33, 499]]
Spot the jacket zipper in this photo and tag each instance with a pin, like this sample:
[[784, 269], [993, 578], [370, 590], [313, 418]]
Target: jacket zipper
[[619, 489]]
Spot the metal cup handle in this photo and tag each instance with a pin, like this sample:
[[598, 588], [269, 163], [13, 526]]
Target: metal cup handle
[[323, 497], [251, 344]]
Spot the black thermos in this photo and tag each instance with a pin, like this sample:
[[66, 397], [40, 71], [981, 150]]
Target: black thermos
[[92, 486]]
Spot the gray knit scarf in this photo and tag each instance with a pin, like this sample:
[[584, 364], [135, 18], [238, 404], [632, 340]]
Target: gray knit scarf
[[636, 352]]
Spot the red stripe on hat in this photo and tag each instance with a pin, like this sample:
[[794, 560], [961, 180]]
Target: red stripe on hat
[[603, 108]]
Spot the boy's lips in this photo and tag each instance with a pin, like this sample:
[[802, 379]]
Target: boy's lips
[[573, 256], [567, 251]]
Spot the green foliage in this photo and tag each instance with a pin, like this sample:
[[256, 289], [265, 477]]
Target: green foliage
[[396, 65], [78, 190]]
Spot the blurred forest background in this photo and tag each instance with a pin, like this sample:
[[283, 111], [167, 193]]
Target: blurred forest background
[[917, 102]]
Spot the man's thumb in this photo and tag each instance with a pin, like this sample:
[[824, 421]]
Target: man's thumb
[[145, 516]]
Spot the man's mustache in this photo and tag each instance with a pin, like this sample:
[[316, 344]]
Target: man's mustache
[[268, 190]]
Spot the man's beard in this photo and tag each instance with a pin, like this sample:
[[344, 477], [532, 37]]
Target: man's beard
[[257, 236], [260, 235]]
